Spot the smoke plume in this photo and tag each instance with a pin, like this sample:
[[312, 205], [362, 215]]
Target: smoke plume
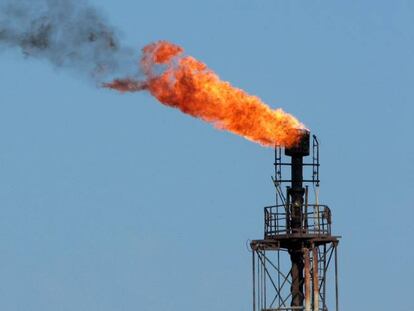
[[67, 33]]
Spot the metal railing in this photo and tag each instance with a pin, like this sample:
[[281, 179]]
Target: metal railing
[[291, 309], [314, 220]]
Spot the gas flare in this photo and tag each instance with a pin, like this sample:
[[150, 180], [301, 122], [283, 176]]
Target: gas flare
[[185, 83]]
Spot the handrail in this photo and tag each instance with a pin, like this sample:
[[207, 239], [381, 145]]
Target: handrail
[[316, 220]]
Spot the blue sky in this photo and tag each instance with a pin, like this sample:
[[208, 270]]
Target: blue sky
[[115, 202]]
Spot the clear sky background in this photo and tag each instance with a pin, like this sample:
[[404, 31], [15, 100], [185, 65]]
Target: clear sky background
[[115, 202]]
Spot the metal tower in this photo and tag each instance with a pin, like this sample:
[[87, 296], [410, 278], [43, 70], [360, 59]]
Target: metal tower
[[290, 264]]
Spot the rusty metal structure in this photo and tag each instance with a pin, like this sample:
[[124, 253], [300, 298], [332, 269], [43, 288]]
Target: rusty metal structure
[[292, 264]]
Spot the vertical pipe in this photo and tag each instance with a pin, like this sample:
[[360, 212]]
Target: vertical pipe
[[306, 210], [262, 274], [264, 278], [315, 279], [258, 280], [316, 210], [296, 195], [287, 208], [307, 280], [325, 268], [296, 288], [254, 280], [278, 276], [336, 279]]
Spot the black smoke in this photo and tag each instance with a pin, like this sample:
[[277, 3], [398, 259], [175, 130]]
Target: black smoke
[[67, 33]]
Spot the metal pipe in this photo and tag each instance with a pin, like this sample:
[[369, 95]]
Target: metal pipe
[[296, 196], [325, 268], [278, 275], [336, 279], [296, 193], [296, 288], [259, 288], [315, 279], [258, 281], [288, 227], [254, 280], [307, 280], [264, 278], [306, 225]]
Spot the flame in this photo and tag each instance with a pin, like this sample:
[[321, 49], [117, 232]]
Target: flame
[[189, 85]]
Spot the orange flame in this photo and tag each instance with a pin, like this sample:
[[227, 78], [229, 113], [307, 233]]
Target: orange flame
[[189, 85]]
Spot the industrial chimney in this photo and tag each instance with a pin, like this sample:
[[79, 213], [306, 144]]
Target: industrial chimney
[[290, 264]]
